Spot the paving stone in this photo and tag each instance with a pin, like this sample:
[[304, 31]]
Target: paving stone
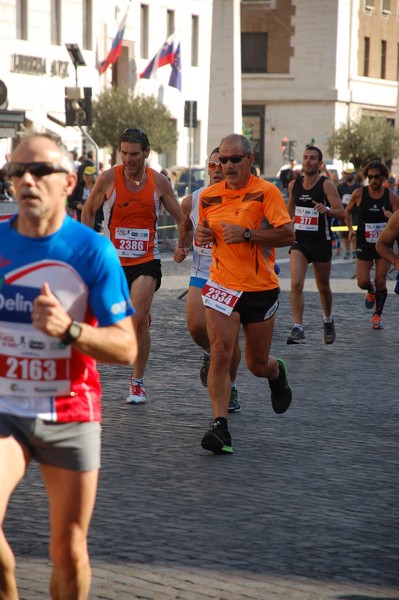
[[305, 509]]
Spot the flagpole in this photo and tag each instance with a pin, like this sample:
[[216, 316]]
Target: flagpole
[[191, 152]]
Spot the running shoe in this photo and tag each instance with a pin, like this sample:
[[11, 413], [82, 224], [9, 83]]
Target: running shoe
[[297, 336], [217, 439], [329, 332], [376, 322], [281, 392], [234, 405], [137, 393], [205, 361], [369, 300]]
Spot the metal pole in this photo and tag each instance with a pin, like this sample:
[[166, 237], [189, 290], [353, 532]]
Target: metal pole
[[190, 147], [87, 136]]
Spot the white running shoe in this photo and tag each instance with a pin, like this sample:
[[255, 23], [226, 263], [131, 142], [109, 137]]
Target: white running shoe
[[137, 393]]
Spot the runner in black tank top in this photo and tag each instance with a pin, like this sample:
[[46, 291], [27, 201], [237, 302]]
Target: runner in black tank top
[[371, 221], [313, 201], [308, 229], [374, 205]]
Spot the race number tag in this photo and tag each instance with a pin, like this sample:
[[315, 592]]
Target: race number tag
[[203, 250], [33, 364], [220, 298], [131, 243], [345, 199], [306, 219], [372, 231]]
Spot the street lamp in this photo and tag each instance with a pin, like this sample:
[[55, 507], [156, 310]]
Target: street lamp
[[76, 58]]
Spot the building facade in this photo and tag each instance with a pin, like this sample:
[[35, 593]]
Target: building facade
[[309, 66], [274, 69], [36, 67]]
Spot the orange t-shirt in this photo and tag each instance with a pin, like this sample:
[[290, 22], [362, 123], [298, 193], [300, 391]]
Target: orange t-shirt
[[246, 266], [131, 220]]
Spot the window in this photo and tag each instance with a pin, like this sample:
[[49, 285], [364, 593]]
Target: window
[[386, 6], [369, 4], [87, 34], [254, 52], [56, 22], [366, 64], [194, 40], [144, 31], [383, 58], [267, 3], [22, 19], [170, 22], [397, 62]]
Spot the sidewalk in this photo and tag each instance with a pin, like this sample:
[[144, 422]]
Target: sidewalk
[[305, 509]]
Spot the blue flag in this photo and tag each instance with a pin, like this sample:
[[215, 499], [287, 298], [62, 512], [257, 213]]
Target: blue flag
[[175, 76]]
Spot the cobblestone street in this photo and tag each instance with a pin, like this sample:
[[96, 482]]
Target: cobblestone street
[[305, 509]]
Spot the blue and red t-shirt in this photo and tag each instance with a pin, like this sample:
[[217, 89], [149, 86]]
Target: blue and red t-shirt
[[39, 376]]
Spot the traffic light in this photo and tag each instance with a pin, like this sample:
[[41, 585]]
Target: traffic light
[[78, 106], [190, 113]]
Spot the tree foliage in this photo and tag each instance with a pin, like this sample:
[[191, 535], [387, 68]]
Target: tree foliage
[[115, 110], [364, 140]]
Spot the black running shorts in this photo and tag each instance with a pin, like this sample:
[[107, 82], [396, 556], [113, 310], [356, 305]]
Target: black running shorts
[[367, 252], [151, 268], [254, 307], [314, 251]]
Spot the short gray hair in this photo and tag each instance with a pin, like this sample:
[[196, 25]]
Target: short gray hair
[[66, 157], [245, 143]]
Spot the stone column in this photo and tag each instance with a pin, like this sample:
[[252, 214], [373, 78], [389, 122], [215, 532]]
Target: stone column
[[225, 98]]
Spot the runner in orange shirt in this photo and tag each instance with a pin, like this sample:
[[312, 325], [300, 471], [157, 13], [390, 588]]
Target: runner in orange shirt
[[134, 196], [201, 262], [246, 218]]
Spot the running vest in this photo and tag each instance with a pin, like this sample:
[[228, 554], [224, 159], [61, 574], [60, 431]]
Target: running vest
[[345, 191], [131, 220], [371, 219], [310, 225], [202, 255]]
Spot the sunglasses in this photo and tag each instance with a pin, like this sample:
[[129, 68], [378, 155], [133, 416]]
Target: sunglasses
[[236, 158], [136, 134], [37, 169], [212, 164], [374, 176]]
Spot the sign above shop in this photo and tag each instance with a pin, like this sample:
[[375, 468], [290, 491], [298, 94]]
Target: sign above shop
[[37, 65]]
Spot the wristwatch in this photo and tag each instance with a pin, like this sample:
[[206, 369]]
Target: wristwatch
[[247, 235], [72, 333]]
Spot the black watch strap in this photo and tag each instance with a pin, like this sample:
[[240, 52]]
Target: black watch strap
[[72, 334]]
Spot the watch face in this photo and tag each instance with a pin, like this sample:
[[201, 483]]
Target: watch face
[[75, 330], [247, 235]]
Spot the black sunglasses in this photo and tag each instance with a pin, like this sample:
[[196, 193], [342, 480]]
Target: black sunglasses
[[137, 134], [37, 169], [236, 158], [374, 176]]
